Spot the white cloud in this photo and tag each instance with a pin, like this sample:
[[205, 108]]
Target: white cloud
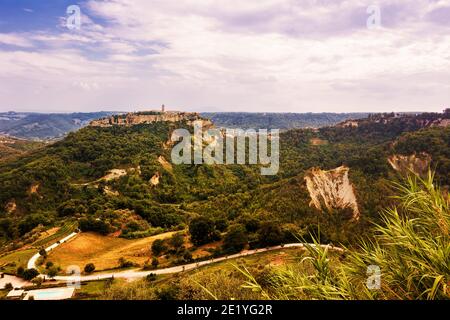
[[14, 40], [269, 55]]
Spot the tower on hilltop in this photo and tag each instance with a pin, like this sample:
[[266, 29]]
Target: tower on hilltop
[[163, 108]]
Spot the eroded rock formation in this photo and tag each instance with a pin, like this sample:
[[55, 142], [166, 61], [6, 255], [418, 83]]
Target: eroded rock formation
[[165, 164], [331, 190], [11, 206], [416, 163], [154, 181]]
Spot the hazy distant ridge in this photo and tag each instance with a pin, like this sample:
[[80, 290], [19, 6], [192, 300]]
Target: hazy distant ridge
[[44, 125], [283, 121]]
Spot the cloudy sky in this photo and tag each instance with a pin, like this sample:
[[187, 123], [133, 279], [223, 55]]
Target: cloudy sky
[[225, 55]]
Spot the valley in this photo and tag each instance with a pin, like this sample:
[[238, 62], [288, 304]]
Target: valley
[[138, 216]]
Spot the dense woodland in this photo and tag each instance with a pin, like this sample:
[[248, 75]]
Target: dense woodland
[[229, 202]]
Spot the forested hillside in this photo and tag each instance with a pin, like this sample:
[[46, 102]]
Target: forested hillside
[[282, 121], [13, 147], [121, 180]]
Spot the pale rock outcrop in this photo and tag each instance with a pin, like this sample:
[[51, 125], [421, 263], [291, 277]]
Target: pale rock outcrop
[[165, 164], [416, 163], [11, 206], [34, 188], [331, 190], [114, 174], [155, 179], [110, 192], [349, 123], [443, 123]]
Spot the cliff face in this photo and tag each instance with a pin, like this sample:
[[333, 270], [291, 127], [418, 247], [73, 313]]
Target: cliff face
[[416, 163], [331, 190], [148, 117]]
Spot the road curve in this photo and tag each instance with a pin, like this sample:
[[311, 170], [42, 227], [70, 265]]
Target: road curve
[[138, 273], [32, 262]]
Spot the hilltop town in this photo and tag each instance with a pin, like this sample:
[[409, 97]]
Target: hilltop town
[[146, 117]]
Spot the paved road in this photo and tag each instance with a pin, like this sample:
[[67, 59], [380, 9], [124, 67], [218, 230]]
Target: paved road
[[138, 273], [32, 262]]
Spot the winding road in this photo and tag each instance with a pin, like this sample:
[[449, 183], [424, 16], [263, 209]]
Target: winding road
[[138, 273]]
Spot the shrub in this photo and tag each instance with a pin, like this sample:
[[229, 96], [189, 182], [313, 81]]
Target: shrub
[[89, 268], [9, 286], [158, 247], [52, 272], [37, 281], [94, 225], [155, 262], [202, 231], [29, 274], [20, 271], [177, 240], [151, 277], [270, 234], [235, 239], [43, 252], [167, 292], [124, 263]]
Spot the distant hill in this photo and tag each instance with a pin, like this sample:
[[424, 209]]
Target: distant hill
[[283, 121], [41, 126], [12, 147], [103, 172], [48, 126]]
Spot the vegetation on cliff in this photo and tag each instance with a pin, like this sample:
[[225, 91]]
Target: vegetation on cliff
[[64, 181]]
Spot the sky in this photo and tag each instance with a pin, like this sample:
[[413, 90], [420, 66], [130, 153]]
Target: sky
[[225, 55]]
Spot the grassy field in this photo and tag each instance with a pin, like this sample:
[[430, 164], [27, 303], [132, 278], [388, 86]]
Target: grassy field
[[52, 235], [10, 262], [223, 279], [3, 294], [93, 289], [260, 260], [103, 251]]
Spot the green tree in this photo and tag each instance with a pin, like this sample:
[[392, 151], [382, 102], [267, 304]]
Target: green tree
[[235, 239], [89, 268], [202, 230], [43, 252], [29, 274], [158, 247], [20, 270], [270, 234], [52, 272], [155, 262], [177, 240]]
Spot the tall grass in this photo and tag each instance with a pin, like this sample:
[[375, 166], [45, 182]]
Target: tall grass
[[411, 247]]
